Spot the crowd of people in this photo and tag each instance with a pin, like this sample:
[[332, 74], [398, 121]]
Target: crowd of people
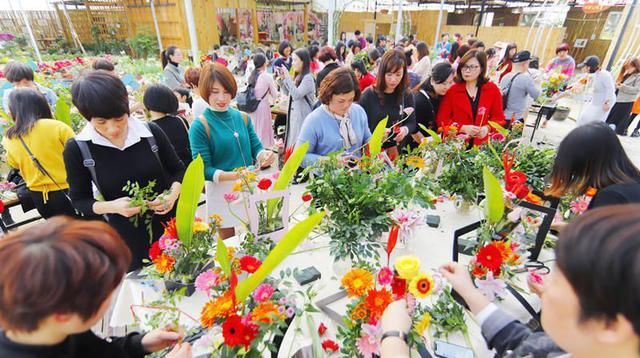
[[336, 97]]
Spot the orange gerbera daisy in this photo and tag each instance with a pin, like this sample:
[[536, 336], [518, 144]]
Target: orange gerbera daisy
[[591, 192], [170, 228], [164, 263], [377, 301], [266, 312], [220, 307], [357, 282], [359, 312]]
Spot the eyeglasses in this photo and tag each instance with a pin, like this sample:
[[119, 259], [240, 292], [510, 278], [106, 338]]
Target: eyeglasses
[[469, 68]]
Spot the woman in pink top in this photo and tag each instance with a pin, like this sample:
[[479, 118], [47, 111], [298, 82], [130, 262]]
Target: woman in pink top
[[563, 61], [264, 89]]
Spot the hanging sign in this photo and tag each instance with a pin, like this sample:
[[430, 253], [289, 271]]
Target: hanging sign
[[596, 6]]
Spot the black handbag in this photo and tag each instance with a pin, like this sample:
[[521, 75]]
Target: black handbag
[[247, 101], [23, 193]]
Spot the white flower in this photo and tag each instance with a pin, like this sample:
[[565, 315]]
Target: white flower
[[491, 287]]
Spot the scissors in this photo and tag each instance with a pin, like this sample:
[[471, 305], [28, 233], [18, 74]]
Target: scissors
[[537, 266]]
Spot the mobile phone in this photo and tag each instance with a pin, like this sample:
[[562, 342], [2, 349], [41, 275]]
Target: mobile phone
[[448, 350], [307, 275]]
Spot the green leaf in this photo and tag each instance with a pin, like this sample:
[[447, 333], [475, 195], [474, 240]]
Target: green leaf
[[192, 185], [222, 254], [287, 173], [432, 134], [63, 112], [502, 130], [494, 207], [284, 248], [375, 142]]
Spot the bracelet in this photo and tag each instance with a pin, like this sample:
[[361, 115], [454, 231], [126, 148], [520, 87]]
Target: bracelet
[[399, 334]]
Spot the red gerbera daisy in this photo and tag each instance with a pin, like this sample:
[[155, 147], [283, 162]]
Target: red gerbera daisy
[[490, 257], [237, 333], [264, 184], [155, 251], [377, 301], [398, 287], [249, 264]]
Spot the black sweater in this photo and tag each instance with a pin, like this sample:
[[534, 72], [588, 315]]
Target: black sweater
[[177, 130], [616, 194], [79, 345], [391, 107], [114, 168], [426, 111]]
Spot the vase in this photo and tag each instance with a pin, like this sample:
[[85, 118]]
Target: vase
[[462, 207], [341, 266], [173, 286]]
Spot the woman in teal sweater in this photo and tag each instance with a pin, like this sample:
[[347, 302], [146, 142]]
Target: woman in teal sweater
[[226, 140]]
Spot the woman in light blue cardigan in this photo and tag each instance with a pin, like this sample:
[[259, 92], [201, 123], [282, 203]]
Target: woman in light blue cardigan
[[339, 124]]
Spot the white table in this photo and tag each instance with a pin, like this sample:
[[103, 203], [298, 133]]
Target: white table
[[432, 246]]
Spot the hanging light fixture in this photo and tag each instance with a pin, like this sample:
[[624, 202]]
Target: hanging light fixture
[[516, 10]]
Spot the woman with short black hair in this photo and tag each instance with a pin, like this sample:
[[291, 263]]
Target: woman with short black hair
[[591, 156], [354, 49], [173, 74], [35, 133], [162, 105], [284, 49], [104, 64], [20, 75], [339, 124], [113, 150]]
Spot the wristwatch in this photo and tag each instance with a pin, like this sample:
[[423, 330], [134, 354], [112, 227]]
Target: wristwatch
[[402, 335]]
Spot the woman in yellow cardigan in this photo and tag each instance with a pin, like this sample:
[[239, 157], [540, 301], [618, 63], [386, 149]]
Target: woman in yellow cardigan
[[45, 138]]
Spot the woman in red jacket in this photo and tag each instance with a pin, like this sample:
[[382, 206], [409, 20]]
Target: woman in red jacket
[[473, 101]]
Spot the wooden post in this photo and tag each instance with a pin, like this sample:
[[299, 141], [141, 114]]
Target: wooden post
[[305, 34], [72, 29], [254, 22], [193, 36]]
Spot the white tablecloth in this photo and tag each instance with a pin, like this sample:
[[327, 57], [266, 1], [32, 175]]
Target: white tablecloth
[[432, 245]]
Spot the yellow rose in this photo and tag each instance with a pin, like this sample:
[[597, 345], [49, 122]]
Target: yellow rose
[[237, 186], [407, 266]]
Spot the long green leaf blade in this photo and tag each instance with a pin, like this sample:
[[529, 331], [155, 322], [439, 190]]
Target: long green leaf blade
[[432, 134], [284, 248], [287, 173], [494, 207], [375, 142], [222, 254], [502, 130], [63, 112], [192, 185]]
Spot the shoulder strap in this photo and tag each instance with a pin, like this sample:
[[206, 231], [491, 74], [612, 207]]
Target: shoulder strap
[[245, 117], [153, 144], [88, 162], [509, 88], [424, 93], [39, 165], [206, 125]]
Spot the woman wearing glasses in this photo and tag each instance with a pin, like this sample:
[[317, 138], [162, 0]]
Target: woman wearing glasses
[[473, 101]]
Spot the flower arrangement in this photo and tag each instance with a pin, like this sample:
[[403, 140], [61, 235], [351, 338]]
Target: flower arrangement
[[574, 206], [171, 260], [407, 220], [272, 213], [246, 312], [556, 82], [370, 291]]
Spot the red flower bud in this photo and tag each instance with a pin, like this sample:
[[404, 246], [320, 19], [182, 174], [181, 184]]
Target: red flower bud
[[322, 329], [264, 184], [306, 197]]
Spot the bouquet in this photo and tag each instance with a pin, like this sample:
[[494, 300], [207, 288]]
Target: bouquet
[[556, 82], [171, 260], [269, 216], [246, 310]]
